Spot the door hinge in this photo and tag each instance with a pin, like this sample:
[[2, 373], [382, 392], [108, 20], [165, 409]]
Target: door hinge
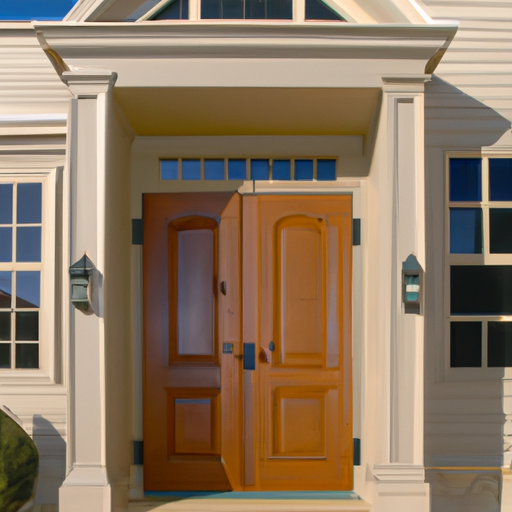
[[357, 451], [137, 232], [356, 231]]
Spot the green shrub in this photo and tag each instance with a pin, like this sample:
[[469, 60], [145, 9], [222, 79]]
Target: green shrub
[[19, 464]]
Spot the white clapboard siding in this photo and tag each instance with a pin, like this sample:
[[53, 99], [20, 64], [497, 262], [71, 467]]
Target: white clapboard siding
[[479, 60], [28, 81]]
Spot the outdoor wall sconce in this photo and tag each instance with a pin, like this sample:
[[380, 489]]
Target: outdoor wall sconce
[[80, 273], [412, 285]]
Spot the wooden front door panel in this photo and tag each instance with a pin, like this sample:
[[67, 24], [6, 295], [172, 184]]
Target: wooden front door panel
[[304, 391], [191, 246], [209, 424]]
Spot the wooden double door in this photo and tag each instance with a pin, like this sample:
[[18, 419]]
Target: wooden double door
[[247, 342]]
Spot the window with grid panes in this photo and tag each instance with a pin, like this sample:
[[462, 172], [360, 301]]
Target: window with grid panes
[[480, 261], [20, 273]]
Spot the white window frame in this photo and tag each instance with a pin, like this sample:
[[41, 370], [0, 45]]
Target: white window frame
[[48, 339], [486, 258]]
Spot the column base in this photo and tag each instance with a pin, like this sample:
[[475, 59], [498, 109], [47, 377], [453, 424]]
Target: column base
[[400, 487], [86, 489]]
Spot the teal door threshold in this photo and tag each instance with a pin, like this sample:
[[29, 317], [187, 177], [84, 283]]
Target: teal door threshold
[[278, 501]]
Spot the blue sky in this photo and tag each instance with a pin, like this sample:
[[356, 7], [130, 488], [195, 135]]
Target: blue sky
[[42, 10]]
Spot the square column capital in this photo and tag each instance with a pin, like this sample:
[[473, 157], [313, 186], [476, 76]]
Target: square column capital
[[88, 83], [405, 84]]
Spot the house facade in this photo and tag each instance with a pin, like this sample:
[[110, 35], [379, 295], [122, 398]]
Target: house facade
[[260, 247]]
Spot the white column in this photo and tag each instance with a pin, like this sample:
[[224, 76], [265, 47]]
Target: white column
[[401, 479], [86, 487]]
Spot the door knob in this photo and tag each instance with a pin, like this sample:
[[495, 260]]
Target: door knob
[[271, 346]]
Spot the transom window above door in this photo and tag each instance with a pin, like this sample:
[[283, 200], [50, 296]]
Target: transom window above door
[[309, 10], [259, 169]]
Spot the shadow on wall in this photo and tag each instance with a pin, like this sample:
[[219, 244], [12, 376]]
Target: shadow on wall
[[465, 418], [52, 460]]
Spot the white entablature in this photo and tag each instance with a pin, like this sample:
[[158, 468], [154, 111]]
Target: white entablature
[[354, 11]]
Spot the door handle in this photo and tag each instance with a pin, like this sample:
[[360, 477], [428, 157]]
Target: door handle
[[263, 357]]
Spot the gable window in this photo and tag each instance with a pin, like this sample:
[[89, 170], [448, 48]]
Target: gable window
[[314, 10], [480, 261]]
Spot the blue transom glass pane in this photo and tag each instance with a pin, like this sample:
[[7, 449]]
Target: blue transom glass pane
[[303, 169], [500, 179], [237, 170], [6, 203], [28, 285], [29, 203], [259, 170], [465, 179], [5, 289], [169, 169], [465, 230], [5, 244], [28, 244], [191, 169], [214, 169], [326, 170], [281, 170]]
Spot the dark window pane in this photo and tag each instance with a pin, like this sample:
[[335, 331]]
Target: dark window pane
[[465, 230], [481, 290], [28, 286], [5, 289], [29, 203], [500, 220], [500, 179], [465, 179], [259, 169], [326, 170], [211, 9], [222, 9], [232, 9], [6, 203], [5, 355], [214, 169], [27, 355], [303, 169], [281, 170], [256, 9], [27, 325], [279, 9], [191, 169], [28, 244], [317, 10], [169, 169], [499, 344], [177, 10], [5, 325], [5, 244], [465, 344], [237, 170]]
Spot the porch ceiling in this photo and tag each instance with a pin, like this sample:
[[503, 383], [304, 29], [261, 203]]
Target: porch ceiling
[[248, 111]]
